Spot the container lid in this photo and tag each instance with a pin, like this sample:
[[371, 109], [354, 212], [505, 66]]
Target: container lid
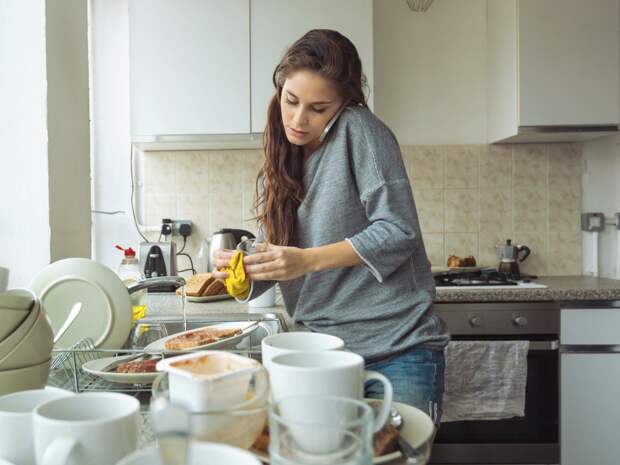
[[129, 252]]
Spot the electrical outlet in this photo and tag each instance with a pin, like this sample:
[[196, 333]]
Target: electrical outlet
[[178, 224], [592, 222]]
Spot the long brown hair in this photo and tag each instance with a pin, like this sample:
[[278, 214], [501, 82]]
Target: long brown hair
[[333, 57]]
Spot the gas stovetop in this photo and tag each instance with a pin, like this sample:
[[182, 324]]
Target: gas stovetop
[[484, 278]]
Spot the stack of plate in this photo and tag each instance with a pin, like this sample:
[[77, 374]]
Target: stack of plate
[[25, 342]]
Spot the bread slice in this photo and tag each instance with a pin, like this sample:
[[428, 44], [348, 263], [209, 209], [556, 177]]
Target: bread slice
[[215, 287], [196, 284]]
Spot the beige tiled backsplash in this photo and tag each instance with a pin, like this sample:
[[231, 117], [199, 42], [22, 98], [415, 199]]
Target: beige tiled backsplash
[[470, 198]]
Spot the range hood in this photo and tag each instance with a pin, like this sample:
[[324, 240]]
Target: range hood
[[545, 134]]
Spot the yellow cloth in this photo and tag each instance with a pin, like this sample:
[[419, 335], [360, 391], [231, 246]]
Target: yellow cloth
[[237, 283]]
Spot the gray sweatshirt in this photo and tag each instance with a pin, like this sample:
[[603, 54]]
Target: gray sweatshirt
[[356, 189]]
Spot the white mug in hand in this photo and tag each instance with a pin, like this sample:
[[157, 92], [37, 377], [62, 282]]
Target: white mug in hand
[[329, 373], [96, 428], [16, 410]]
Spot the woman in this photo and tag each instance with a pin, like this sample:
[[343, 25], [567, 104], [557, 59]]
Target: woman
[[339, 217]]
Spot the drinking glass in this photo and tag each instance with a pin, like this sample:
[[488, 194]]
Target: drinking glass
[[325, 430], [145, 333]]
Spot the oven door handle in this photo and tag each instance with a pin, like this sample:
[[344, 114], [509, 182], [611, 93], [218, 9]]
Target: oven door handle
[[545, 345]]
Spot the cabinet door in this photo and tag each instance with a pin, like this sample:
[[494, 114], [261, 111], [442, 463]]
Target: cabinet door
[[590, 410], [276, 24], [190, 67], [569, 54]]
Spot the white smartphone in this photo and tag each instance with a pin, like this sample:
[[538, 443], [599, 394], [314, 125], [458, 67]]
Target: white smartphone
[[331, 122]]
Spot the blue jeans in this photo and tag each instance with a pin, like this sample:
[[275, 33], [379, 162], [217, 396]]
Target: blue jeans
[[417, 377]]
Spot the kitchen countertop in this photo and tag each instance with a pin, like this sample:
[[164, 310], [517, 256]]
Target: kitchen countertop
[[170, 304], [560, 288]]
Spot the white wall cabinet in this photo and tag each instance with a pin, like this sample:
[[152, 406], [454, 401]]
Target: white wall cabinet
[[276, 24], [205, 66], [590, 382], [189, 67], [552, 63]]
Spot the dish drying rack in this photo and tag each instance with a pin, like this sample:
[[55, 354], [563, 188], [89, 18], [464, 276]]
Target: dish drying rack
[[66, 366]]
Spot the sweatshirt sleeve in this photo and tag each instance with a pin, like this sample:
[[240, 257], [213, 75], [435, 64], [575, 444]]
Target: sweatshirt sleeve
[[393, 232]]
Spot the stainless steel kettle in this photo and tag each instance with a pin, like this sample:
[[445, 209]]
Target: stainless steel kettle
[[226, 239]]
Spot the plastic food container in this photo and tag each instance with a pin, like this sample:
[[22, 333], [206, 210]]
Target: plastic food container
[[209, 380]]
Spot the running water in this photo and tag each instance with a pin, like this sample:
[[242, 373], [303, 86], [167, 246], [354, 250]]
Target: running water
[[183, 307]]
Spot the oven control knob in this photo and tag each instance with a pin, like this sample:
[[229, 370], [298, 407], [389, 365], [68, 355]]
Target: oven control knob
[[520, 321], [475, 321]]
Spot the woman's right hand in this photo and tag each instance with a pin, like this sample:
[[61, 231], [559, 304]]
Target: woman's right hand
[[221, 259]]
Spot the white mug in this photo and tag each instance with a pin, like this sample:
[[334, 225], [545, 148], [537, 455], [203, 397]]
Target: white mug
[[4, 279], [293, 342], [16, 438], [330, 373], [266, 299], [97, 428]]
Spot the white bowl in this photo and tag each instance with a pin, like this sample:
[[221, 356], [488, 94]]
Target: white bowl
[[34, 347], [21, 379], [8, 343], [199, 453]]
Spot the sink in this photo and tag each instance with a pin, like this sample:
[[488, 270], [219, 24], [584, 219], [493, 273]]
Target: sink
[[268, 324]]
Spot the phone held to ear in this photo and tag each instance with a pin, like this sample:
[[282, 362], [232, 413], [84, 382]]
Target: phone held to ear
[[331, 122]]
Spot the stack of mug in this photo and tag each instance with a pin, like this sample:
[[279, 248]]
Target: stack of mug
[[318, 413]]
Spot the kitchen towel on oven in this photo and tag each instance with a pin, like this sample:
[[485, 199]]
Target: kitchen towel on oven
[[485, 380]]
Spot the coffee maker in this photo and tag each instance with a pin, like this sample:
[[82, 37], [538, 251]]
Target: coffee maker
[[510, 256]]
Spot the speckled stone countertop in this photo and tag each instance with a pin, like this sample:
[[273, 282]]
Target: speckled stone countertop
[[560, 288], [166, 304]]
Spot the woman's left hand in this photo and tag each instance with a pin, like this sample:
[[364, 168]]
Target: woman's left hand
[[277, 263]]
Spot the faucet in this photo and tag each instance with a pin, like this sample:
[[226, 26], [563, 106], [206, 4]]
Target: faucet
[[176, 281]]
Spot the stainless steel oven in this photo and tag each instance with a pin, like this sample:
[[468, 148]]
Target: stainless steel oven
[[534, 438]]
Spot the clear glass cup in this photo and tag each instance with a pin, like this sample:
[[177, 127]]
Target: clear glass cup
[[248, 246], [145, 333], [325, 430], [239, 425]]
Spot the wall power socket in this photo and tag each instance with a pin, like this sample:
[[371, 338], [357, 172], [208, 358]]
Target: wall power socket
[[182, 228]]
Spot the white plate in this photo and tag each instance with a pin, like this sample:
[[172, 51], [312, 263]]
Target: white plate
[[247, 327], [417, 429], [95, 367], [106, 307], [209, 298]]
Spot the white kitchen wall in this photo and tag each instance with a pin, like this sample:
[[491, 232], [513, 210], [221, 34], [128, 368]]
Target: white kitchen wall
[[24, 206], [430, 71], [470, 198], [110, 130], [44, 175], [601, 193]]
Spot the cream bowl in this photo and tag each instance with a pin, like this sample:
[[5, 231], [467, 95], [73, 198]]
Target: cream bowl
[[10, 341], [35, 346], [21, 379]]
